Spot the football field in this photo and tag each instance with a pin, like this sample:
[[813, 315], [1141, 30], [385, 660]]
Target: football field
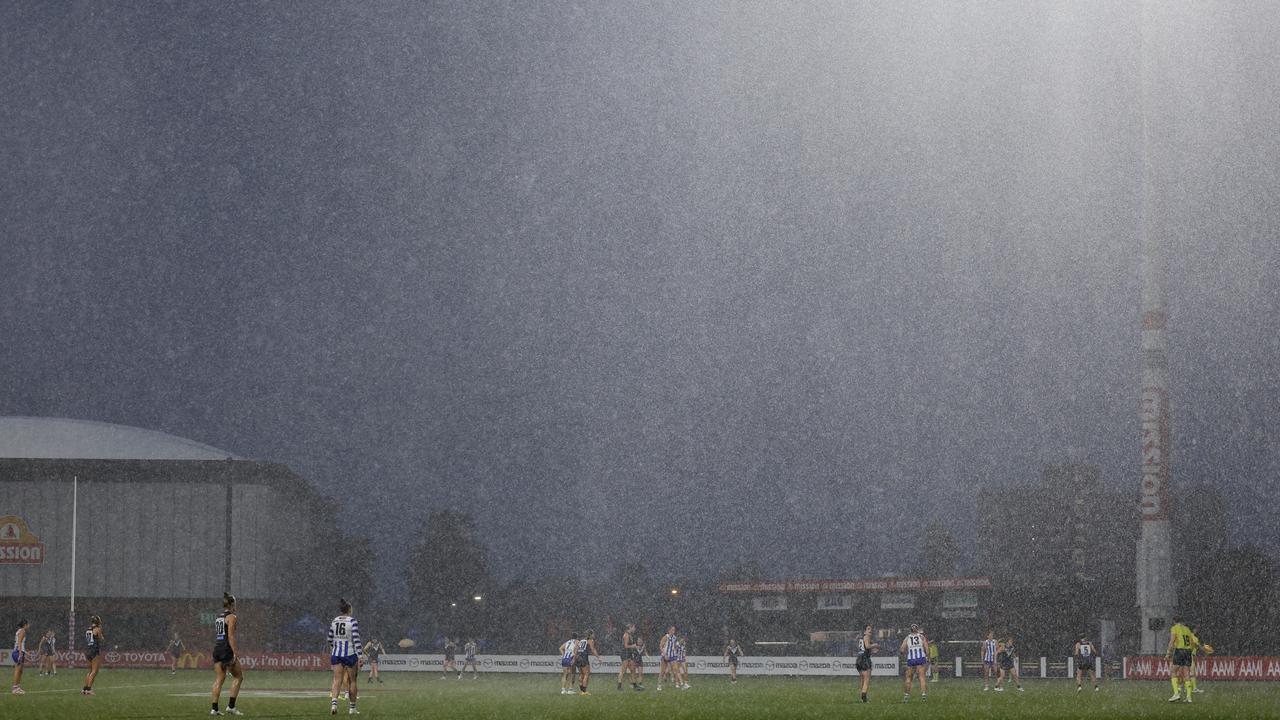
[[133, 694]]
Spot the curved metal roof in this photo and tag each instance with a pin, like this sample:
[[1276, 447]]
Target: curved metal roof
[[67, 439]]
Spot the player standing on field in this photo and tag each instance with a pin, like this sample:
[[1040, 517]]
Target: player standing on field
[[450, 655], [1197, 649], [666, 654], [469, 658], [19, 655], [1179, 649], [639, 663], [732, 652], [916, 647], [48, 653], [1007, 658], [93, 640], [582, 660], [1085, 655], [865, 648], [568, 651], [173, 650], [627, 664], [225, 650], [344, 657], [989, 649], [372, 652]]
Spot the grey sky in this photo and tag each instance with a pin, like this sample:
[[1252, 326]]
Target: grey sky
[[783, 275]]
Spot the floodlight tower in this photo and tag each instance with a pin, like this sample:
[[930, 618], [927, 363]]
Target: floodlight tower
[[1156, 595]]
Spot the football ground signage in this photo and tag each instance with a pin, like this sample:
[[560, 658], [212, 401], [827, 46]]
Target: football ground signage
[[18, 545]]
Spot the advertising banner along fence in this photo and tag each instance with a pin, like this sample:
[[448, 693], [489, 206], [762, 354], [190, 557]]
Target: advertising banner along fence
[[698, 664], [1211, 667]]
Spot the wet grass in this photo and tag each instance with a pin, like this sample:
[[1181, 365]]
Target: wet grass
[[134, 694]]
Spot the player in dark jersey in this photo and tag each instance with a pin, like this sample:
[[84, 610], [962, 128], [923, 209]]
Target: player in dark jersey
[[225, 651], [174, 650], [732, 652], [1086, 658], [450, 661], [1007, 659], [638, 661], [93, 640], [582, 660], [863, 664], [19, 655], [628, 655], [372, 652], [48, 653]]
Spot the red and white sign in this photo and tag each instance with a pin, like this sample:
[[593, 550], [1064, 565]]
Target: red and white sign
[[1155, 438], [1211, 667], [18, 546], [875, 585]]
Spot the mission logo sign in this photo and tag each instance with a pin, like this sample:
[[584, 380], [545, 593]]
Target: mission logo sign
[[17, 545]]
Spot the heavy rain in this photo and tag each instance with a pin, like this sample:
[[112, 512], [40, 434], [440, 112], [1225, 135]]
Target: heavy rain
[[506, 321]]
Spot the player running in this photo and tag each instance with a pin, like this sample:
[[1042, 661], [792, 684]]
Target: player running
[[19, 655], [469, 659], [916, 647], [627, 656], [93, 640], [582, 660], [568, 650], [1179, 649], [990, 647], [1007, 658], [344, 657], [1085, 655], [225, 650], [865, 648], [732, 653]]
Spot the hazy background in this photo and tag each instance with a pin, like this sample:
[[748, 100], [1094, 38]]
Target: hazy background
[[777, 282]]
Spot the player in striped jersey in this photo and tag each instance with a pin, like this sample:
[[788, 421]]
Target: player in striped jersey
[[469, 658], [989, 648], [344, 657], [916, 647], [666, 652], [1085, 656], [19, 655], [568, 649]]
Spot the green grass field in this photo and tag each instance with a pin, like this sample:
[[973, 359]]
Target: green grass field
[[134, 694]]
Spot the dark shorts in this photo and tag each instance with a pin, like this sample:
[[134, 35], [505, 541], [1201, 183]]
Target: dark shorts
[[566, 662], [91, 653], [1006, 664], [917, 662], [1182, 657], [582, 661], [733, 660], [1084, 663], [344, 660], [448, 657], [223, 655], [863, 664]]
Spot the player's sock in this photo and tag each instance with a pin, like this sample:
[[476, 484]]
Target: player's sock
[[215, 705], [1191, 683], [1174, 681], [231, 702]]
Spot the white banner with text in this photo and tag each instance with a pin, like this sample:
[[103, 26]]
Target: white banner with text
[[698, 664]]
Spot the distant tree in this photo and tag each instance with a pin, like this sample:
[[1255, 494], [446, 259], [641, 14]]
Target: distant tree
[[448, 565], [939, 552]]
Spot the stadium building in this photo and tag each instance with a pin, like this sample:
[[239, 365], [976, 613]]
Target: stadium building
[[162, 526]]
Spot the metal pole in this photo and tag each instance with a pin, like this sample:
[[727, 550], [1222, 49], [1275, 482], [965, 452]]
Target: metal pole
[[71, 616]]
